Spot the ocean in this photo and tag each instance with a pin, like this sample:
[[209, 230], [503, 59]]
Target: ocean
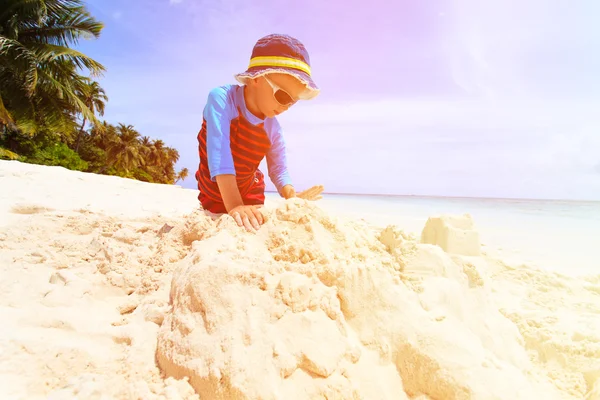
[[559, 235]]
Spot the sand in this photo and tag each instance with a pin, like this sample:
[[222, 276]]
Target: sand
[[117, 289]]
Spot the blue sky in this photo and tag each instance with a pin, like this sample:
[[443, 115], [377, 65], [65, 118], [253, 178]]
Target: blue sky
[[455, 98]]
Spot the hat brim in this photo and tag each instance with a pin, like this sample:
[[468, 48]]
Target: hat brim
[[312, 90]]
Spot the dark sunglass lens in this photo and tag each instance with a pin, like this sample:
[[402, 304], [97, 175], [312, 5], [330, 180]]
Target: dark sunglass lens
[[283, 98]]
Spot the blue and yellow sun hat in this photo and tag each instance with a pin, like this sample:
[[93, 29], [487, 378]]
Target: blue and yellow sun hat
[[282, 54]]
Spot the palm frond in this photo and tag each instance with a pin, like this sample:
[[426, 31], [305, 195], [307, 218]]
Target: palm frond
[[5, 117], [17, 57], [45, 111], [64, 31], [100, 104], [56, 8], [46, 52], [68, 95], [26, 126], [23, 10]]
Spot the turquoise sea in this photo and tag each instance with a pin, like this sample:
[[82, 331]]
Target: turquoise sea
[[551, 234]]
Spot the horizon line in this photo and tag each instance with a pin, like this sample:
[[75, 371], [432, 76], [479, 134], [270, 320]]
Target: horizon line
[[452, 197]]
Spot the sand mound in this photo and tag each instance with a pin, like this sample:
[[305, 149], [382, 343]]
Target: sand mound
[[311, 307]]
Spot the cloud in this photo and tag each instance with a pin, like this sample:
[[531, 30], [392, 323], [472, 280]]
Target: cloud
[[175, 1], [512, 48]]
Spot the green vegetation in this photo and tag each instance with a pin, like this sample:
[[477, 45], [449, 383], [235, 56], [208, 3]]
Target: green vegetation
[[46, 99]]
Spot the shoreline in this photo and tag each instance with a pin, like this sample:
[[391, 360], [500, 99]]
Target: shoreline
[[416, 196]]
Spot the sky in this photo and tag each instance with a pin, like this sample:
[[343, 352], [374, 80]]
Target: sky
[[497, 98]]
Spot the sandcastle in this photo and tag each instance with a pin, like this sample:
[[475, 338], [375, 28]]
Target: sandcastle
[[453, 233]]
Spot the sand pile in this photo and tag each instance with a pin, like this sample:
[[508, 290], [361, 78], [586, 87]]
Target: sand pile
[[103, 302], [317, 308]]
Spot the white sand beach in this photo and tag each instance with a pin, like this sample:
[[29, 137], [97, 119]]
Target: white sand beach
[[117, 289]]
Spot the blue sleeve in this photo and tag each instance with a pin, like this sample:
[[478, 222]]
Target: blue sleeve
[[217, 115], [276, 157]]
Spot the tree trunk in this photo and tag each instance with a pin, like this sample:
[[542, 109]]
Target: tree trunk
[[79, 135]]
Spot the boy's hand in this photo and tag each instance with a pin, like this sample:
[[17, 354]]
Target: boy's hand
[[288, 192], [248, 216], [314, 193]]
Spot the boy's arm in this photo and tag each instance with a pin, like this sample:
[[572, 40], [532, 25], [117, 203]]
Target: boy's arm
[[277, 163], [220, 160], [229, 191]]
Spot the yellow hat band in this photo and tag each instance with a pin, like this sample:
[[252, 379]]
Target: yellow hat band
[[279, 62]]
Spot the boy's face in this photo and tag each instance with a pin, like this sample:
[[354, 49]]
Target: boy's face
[[274, 92]]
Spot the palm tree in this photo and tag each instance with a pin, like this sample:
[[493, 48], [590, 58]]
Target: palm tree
[[146, 148], [172, 155], [124, 153], [181, 175], [146, 142], [157, 155], [94, 98], [38, 69], [168, 167], [103, 134]]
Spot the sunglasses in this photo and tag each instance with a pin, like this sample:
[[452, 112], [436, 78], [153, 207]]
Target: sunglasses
[[281, 95]]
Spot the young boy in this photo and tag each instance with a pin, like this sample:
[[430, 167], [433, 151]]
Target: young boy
[[239, 130]]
